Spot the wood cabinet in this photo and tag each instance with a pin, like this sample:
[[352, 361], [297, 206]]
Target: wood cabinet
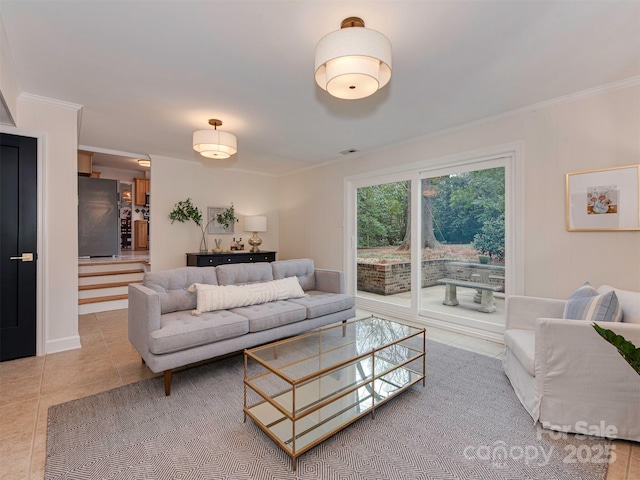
[[85, 163], [141, 235], [215, 259], [142, 186]]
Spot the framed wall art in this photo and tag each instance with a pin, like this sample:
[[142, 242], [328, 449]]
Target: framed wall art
[[214, 226], [601, 200]]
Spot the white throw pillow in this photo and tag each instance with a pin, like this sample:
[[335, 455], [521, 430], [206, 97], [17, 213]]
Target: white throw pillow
[[222, 297]]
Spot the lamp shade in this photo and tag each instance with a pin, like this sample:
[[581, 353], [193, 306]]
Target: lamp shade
[[257, 223], [214, 143], [353, 62]]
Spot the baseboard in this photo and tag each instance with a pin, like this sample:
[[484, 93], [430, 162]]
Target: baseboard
[[63, 344]]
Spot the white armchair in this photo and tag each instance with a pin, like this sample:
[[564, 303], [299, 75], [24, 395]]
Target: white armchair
[[567, 376]]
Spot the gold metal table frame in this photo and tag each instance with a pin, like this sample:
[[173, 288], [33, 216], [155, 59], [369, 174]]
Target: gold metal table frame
[[302, 390]]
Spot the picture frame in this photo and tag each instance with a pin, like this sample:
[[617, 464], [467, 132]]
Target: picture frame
[[214, 228], [603, 200]]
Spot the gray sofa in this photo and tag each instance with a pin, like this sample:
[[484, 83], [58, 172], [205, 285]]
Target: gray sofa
[[167, 336]]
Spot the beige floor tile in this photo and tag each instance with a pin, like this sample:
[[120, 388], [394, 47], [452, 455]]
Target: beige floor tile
[[112, 317], [635, 450], [634, 468], [18, 418], [618, 469], [87, 375], [132, 376], [622, 446], [75, 392], [22, 365], [75, 359], [92, 339], [123, 354], [20, 389], [15, 447]]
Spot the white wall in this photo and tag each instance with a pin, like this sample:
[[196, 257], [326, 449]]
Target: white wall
[[58, 177], [593, 132], [173, 180]]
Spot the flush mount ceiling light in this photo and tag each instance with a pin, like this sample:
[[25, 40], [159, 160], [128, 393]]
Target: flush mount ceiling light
[[144, 163], [353, 62], [214, 143]]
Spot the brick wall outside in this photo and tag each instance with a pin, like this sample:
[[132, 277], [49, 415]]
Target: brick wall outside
[[392, 278]]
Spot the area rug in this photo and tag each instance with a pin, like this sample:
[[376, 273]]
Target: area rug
[[465, 424]]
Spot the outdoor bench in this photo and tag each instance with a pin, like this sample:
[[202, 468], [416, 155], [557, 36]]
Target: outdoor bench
[[487, 304]]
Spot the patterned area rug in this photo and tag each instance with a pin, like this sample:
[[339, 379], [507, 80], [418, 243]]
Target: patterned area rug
[[465, 424]]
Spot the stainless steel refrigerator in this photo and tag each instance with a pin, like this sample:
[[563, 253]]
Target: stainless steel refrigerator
[[98, 227]]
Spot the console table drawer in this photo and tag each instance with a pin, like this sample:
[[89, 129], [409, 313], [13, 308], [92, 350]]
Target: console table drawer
[[215, 259]]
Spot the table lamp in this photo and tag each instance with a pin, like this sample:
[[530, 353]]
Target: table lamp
[[255, 224]]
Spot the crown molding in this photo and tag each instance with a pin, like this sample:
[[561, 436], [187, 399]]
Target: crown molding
[[52, 101]]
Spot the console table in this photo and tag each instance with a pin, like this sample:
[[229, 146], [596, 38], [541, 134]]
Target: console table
[[215, 259]]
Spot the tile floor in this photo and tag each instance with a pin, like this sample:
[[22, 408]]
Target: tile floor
[[106, 360]]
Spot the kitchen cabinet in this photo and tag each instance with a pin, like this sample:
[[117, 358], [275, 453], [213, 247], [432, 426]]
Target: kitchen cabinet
[[141, 234], [85, 163], [215, 259], [142, 186]]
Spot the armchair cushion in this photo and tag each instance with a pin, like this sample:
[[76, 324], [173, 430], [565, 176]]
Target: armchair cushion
[[523, 345]]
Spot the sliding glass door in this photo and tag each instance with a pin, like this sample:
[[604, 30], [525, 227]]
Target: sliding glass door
[[437, 244]]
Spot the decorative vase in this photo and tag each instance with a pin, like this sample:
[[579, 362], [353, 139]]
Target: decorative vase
[[484, 259], [203, 243], [218, 247]]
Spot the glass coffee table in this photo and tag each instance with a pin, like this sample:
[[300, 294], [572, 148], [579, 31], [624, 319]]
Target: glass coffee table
[[303, 389]]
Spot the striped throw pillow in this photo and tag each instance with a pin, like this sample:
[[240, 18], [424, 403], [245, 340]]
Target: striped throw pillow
[[594, 308]]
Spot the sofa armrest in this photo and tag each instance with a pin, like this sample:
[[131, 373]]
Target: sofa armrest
[[330, 281], [144, 316], [575, 366], [523, 311]]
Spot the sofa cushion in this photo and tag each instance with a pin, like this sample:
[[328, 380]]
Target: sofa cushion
[[243, 273], [171, 286], [302, 268], [320, 303], [522, 343], [272, 314], [181, 330], [597, 308], [629, 302]]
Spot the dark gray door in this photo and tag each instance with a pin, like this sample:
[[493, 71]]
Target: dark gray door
[[18, 242], [98, 224]]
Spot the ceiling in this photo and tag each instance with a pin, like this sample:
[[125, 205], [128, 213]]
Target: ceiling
[[150, 73]]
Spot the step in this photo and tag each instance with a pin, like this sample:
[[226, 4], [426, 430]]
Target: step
[[107, 298], [103, 306], [110, 266], [106, 285], [84, 294], [98, 280], [104, 273]]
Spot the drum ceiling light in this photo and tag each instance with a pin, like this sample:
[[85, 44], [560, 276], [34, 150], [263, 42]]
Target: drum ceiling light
[[214, 143], [353, 62]]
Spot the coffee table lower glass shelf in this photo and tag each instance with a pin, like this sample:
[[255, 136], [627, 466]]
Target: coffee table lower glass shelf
[[302, 390]]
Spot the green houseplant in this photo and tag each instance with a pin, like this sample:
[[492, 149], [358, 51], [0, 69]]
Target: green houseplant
[[185, 211], [626, 348]]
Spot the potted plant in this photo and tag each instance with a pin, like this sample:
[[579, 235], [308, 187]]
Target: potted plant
[[184, 211], [626, 348]]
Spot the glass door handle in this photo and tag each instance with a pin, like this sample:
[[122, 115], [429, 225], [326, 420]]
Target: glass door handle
[[25, 257]]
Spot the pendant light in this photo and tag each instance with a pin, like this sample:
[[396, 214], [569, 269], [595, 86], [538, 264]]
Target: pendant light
[[353, 62], [214, 143]]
